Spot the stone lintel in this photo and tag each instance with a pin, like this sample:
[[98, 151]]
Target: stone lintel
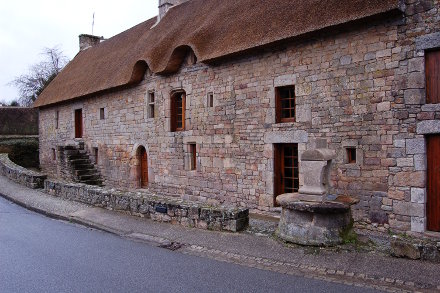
[[296, 136], [428, 127], [426, 42], [318, 155]]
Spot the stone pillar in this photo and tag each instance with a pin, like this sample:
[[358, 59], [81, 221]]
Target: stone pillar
[[315, 165]]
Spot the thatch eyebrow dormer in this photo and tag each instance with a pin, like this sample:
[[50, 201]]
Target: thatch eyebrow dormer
[[234, 26]]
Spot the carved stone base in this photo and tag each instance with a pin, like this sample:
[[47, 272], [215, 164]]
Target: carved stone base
[[313, 223]]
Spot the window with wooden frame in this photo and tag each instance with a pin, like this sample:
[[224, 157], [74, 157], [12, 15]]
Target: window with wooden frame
[[193, 152], [432, 70], [178, 102], [210, 100], [351, 155], [57, 119], [285, 104], [151, 103], [102, 113], [96, 154], [286, 169]]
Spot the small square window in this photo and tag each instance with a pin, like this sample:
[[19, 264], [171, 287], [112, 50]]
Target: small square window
[[102, 114], [285, 104], [95, 153], [151, 102], [210, 100], [351, 155], [193, 152]]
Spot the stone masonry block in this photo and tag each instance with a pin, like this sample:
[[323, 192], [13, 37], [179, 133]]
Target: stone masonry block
[[416, 80], [418, 195], [296, 136], [415, 146], [418, 224], [420, 162], [303, 113], [428, 41], [285, 80], [384, 106], [414, 179], [404, 208], [414, 96], [428, 127]]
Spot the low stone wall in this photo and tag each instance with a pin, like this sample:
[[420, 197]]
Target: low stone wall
[[19, 174], [162, 209]]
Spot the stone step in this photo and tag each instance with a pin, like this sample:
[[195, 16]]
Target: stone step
[[85, 171], [89, 177], [79, 161], [82, 166], [97, 182], [77, 157]]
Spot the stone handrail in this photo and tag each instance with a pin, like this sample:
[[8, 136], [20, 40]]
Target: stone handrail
[[19, 174]]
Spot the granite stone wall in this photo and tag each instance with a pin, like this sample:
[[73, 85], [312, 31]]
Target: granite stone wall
[[361, 87]]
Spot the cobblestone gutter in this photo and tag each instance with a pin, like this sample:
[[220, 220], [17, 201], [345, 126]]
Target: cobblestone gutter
[[161, 209], [19, 174]]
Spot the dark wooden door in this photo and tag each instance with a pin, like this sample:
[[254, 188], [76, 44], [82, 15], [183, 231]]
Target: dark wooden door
[[78, 123], [432, 68], [433, 183], [286, 168], [144, 168]]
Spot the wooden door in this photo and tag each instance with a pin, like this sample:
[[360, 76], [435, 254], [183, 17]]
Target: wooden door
[[432, 68], [78, 123], [433, 183], [144, 168], [286, 169]]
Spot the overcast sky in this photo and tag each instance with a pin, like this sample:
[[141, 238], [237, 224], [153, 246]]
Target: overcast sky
[[28, 26]]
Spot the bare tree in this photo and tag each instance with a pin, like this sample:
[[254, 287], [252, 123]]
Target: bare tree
[[32, 84]]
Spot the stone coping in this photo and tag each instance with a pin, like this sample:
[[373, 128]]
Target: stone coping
[[158, 208], [291, 201], [29, 178]]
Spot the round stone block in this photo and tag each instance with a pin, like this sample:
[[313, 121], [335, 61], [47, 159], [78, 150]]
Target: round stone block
[[313, 223]]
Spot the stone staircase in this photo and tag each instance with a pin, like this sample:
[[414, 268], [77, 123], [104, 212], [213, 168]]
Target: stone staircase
[[77, 166]]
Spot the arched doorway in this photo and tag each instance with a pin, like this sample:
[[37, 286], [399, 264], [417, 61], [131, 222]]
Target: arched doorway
[[143, 166]]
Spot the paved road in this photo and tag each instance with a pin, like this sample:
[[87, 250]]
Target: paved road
[[38, 254]]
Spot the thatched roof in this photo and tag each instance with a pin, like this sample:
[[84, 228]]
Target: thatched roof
[[213, 29]]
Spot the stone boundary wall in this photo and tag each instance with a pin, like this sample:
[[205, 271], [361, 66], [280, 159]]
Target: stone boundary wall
[[161, 209], [19, 174]]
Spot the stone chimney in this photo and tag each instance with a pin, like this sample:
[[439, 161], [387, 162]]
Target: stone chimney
[[164, 5], [87, 41]]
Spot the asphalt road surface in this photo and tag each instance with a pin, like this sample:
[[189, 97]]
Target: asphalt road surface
[[38, 254]]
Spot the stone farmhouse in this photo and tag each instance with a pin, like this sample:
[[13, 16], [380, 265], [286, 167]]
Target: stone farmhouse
[[215, 101]]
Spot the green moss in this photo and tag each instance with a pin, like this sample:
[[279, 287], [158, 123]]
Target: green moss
[[348, 235]]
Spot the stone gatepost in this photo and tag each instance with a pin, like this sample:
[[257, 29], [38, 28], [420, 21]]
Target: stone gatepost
[[309, 217]]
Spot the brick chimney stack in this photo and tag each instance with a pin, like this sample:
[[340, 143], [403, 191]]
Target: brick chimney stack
[[87, 41], [164, 5]]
